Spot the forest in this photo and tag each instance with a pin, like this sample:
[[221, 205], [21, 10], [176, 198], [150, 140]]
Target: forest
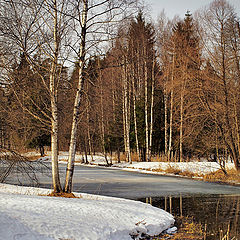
[[103, 77]]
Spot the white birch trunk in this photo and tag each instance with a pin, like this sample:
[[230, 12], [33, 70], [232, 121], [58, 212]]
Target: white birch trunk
[[54, 141], [88, 123], [135, 119], [126, 114], [54, 110], [113, 96], [146, 106], [102, 115], [128, 121], [76, 110], [151, 110], [171, 110], [124, 110]]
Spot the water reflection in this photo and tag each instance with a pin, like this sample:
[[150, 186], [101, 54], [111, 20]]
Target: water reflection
[[220, 214]]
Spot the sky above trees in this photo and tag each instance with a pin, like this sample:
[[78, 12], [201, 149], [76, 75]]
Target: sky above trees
[[180, 7]]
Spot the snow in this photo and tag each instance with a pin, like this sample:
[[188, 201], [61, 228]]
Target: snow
[[26, 215], [195, 167], [200, 168]]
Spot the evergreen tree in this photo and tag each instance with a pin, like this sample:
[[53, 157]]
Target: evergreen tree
[[186, 54]]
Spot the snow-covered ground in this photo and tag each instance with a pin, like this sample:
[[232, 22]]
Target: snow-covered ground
[[195, 167], [25, 215]]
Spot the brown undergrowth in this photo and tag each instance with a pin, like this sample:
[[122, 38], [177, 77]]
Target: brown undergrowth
[[177, 171], [33, 158], [232, 175], [62, 194], [187, 230]]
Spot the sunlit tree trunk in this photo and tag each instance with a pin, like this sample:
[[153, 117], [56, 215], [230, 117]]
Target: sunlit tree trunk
[[151, 110], [166, 116], [171, 109], [76, 110], [181, 125], [54, 94], [102, 114], [135, 76], [126, 113], [146, 105], [88, 127], [135, 120]]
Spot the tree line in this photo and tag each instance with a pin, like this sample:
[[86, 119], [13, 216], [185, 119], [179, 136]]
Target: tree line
[[100, 77]]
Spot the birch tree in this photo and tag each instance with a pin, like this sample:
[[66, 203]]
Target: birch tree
[[142, 59], [38, 27], [92, 19]]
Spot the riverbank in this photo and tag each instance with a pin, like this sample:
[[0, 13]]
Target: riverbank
[[27, 213], [201, 170]]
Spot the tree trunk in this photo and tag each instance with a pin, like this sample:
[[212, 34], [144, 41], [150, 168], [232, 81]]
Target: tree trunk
[[171, 110], [54, 141], [135, 121], [181, 127], [151, 110], [102, 115], [165, 121], [126, 111], [54, 110], [76, 110], [146, 106], [89, 134]]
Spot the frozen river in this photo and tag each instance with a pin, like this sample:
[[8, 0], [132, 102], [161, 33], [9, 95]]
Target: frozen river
[[133, 185]]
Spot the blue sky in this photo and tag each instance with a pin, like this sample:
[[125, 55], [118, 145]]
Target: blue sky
[[179, 7]]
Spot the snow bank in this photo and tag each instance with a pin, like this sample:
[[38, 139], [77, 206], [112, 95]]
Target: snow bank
[[25, 215], [195, 167], [201, 168]]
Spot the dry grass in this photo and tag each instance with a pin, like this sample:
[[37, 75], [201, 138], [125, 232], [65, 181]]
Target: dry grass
[[160, 158], [134, 157], [232, 176], [62, 194], [34, 158], [173, 170], [187, 230], [176, 171]]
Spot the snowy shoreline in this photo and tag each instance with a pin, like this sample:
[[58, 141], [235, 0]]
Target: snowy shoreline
[[26, 215], [195, 167]]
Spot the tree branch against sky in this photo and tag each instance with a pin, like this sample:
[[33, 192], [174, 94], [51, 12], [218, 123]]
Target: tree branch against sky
[[176, 7]]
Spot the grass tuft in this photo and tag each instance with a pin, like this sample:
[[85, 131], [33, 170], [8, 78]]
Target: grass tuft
[[187, 230], [62, 194], [232, 176]]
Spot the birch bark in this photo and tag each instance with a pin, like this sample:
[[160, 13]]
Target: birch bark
[[54, 109], [171, 109], [135, 119], [126, 113], [76, 110], [151, 111], [146, 106]]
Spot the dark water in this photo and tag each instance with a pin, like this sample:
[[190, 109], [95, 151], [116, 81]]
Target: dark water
[[216, 213]]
